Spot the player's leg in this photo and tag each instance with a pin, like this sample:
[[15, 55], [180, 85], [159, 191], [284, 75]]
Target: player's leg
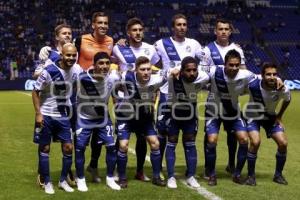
[[162, 115], [242, 137], [96, 146], [155, 158], [253, 128], [190, 129], [123, 131], [232, 147], [212, 127], [107, 135], [172, 141], [281, 141], [141, 151]]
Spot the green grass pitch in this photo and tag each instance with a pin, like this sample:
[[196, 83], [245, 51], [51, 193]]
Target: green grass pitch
[[18, 162]]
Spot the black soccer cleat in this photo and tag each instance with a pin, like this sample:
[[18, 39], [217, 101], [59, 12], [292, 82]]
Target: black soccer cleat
[[251, 181], [123, 183], [280, 180], [158, 181], [238, 179], [212, 181]]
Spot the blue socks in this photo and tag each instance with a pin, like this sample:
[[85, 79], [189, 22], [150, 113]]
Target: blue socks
[[190, 157], [170, 158]]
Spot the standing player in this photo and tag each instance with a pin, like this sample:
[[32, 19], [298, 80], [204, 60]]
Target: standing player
[[138, 95], [87, 46], [96, 85], [48, 55], [227, 84], [264, 98], [125, 57], [50, 99], [172, 50], [214, 54], [183, 101]]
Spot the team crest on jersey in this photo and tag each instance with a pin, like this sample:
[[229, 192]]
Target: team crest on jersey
[[275, 97], [151, 88], [74, 76], [239, 82], [188, 49], [147, 52], [172, 64], [109, 85]]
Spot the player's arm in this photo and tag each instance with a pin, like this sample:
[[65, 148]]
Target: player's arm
[[77, 43], [285, 103], [36, 104]]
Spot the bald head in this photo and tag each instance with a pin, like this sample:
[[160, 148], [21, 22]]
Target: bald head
[[68, 55]]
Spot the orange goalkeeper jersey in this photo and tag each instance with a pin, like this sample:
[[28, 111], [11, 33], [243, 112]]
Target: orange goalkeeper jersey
[[87, 47]]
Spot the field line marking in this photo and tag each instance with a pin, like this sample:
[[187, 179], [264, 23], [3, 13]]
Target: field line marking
[[27, 94], [201, 190]]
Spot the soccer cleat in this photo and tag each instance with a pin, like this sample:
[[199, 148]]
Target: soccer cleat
[[280, 180], [81, 185], [172, 183], [237, 179], [49, 188], [142, 177], [65, 186], [192, 182], [40, 181], [123, 183], [157, 181], [212, 181], [251, 181], [230, 169], [110, 182], [205, 174], [71, 179], [94, 174]]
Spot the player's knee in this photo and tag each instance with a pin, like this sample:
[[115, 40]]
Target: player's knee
[[255, 143], [243, 140], [123, 146], [68, 148], [188, 137], [44, 148], [212, 140], [173, 138], [282, 145], [154, 144]]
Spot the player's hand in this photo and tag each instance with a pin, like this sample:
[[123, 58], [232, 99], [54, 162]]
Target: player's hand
[[122, 42], [279, 121], [44, 53], [39, 120], [175, 73], [280, 85]]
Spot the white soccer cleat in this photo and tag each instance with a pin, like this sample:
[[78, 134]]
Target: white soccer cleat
[[94, 174], [192, 182], [65, 186], [81, 185], [172, 183], [110, 182], [49, 188]]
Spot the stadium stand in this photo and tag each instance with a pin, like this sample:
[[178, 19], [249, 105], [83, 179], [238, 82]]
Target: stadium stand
[[266, 33]]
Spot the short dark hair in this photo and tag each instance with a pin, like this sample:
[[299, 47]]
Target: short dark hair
[[61, 26], [232, 54], [267, 65], [177, 16], [141, 60], [187, 60], [100, 55], [134, 21], [224, 21], [98, 14]]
